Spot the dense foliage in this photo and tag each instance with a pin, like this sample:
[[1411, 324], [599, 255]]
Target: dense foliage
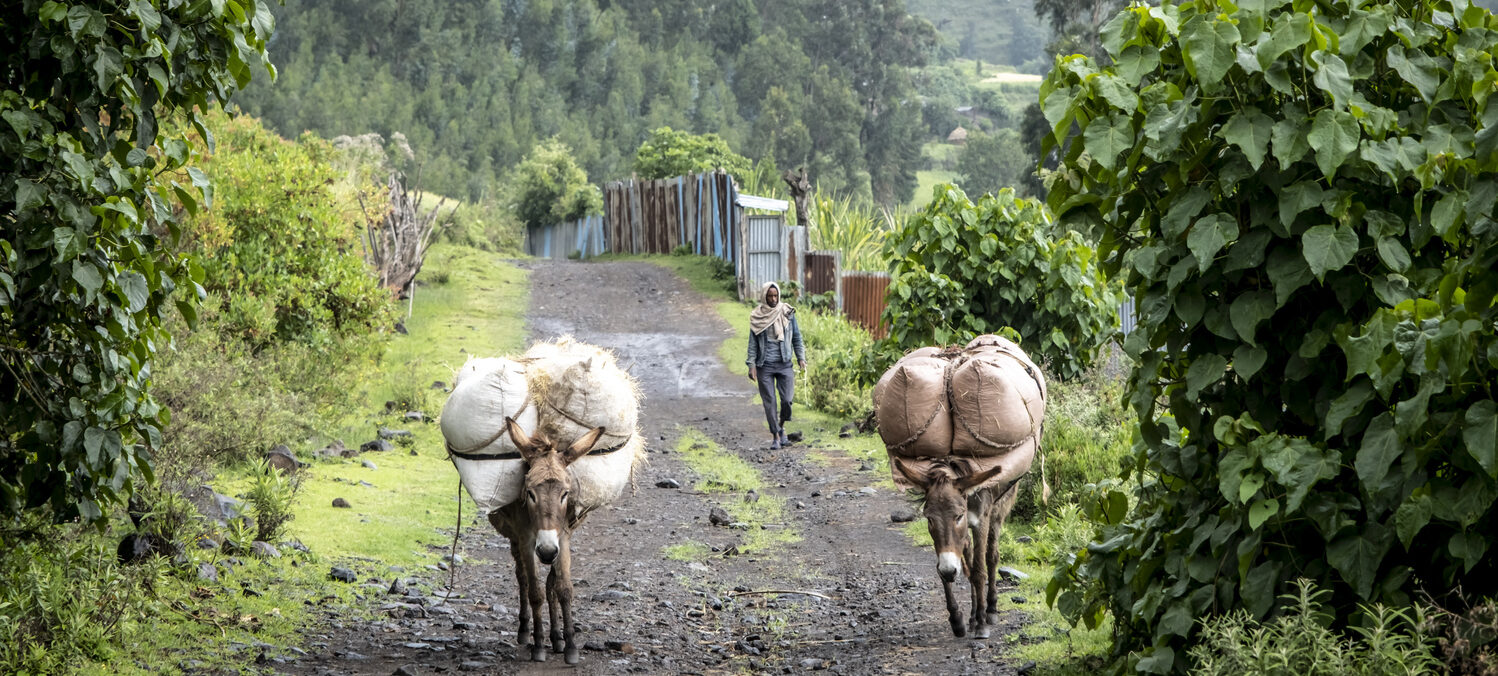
[[1301, 198], [85, 187], [548, 187], [992, 162], [667, 154], [475, 85], [278, 245], [962, 269]]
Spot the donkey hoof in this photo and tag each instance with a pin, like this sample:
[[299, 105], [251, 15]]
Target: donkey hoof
[[538, 653], [557, 645], [959, 630], [980, 632], [571, 656]]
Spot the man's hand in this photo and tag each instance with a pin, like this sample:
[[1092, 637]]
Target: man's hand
[[802, 362], [751, 373]]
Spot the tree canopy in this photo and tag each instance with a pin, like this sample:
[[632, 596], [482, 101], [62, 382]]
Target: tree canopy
[[1301, 199], [88, 180], [476, 85], [667, 153]]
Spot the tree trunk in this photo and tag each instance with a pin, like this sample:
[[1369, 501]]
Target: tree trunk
[[800, 193]]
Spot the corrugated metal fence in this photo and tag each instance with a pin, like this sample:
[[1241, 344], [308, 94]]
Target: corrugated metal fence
[[582, 238], [863, 300], [657, 216]]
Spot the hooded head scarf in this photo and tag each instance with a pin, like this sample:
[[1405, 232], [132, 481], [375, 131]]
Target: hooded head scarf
[[765, 316]]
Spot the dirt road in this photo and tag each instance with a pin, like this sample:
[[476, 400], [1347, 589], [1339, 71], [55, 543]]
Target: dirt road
[[639, 611]]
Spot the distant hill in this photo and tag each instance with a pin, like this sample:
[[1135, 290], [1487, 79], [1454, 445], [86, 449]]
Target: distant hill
[[475, 84], [994, 31]]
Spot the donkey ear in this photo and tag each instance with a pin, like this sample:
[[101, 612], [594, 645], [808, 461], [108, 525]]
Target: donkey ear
[[521, 439], [920, 481], [583, 444], [970, 481]]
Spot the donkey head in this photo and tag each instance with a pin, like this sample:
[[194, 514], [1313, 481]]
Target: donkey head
[[945, 486], [548, 486]]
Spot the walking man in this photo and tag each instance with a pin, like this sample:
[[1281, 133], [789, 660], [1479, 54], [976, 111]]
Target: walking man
[[774, 339]]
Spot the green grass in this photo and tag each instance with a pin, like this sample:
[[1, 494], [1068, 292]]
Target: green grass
[[927, 179], [394, 522], [728, 476]]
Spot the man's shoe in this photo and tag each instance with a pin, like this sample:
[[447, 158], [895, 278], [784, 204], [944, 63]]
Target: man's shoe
[[784, 441], [775, 445]]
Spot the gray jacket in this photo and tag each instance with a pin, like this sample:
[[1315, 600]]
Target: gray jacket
[[759, 341]]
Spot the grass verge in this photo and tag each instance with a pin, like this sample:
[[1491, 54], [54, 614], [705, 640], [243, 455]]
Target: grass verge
[[762, 518]]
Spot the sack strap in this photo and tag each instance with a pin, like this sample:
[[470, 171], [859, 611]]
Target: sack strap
[[515, 455]]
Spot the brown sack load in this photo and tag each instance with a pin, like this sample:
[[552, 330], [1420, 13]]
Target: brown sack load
[[997, 399], [911, 402]]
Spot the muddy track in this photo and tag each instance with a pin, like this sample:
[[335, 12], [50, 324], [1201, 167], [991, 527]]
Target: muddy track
[[641, 612]]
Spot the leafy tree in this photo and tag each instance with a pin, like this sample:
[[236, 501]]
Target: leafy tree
[[668, 153], [86, 192], [963, 269], [275, 244], [990, 162], [1301, 198], [548, 187]]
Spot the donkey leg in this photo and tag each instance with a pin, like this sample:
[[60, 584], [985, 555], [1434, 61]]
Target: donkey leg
[[551, 608], [978, 574], [536, 596], [1001, 509], [992, 565], [564, 592], [953, 612], [521, 576]]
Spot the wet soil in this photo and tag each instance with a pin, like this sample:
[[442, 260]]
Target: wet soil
[[873, 602]]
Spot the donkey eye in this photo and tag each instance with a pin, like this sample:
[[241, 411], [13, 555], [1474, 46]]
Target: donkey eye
[[530, 495], [565, 494]]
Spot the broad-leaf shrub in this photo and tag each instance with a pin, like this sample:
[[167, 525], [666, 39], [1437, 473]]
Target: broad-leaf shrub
[[548, 187], [277, 243], [86, 263], [668, 153], [1301, 198], [962, 269]]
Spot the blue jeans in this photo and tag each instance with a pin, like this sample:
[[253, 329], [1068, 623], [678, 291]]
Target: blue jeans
[[772, 379]]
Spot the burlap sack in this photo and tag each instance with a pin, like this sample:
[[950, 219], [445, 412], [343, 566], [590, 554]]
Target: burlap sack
[[911, 402], [998, 402], [473, 422], [992, 343]]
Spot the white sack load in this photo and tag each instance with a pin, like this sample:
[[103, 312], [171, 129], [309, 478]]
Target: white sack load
[[485, 391], [577, 387], [910, 401], [997, 399]]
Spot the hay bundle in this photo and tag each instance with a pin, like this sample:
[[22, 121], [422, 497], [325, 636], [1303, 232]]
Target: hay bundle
[[576, 387], [485, 391]]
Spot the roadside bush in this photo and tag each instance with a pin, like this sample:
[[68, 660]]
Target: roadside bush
[[277, 242], [270, 498], [64, 600], [548, 187], [962, 269], [230, 404], [1086, 439], [667, 153], [1302, 199], [1300, 640], [836, 351], [484, 225]]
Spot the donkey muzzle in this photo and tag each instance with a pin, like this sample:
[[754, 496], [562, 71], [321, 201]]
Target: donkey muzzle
[[547, 546], [948, 565]]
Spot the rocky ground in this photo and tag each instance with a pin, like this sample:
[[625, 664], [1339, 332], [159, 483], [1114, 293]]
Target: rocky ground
[[869, 601]]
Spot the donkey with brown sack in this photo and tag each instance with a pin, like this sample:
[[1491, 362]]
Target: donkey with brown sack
[[962, 426]]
